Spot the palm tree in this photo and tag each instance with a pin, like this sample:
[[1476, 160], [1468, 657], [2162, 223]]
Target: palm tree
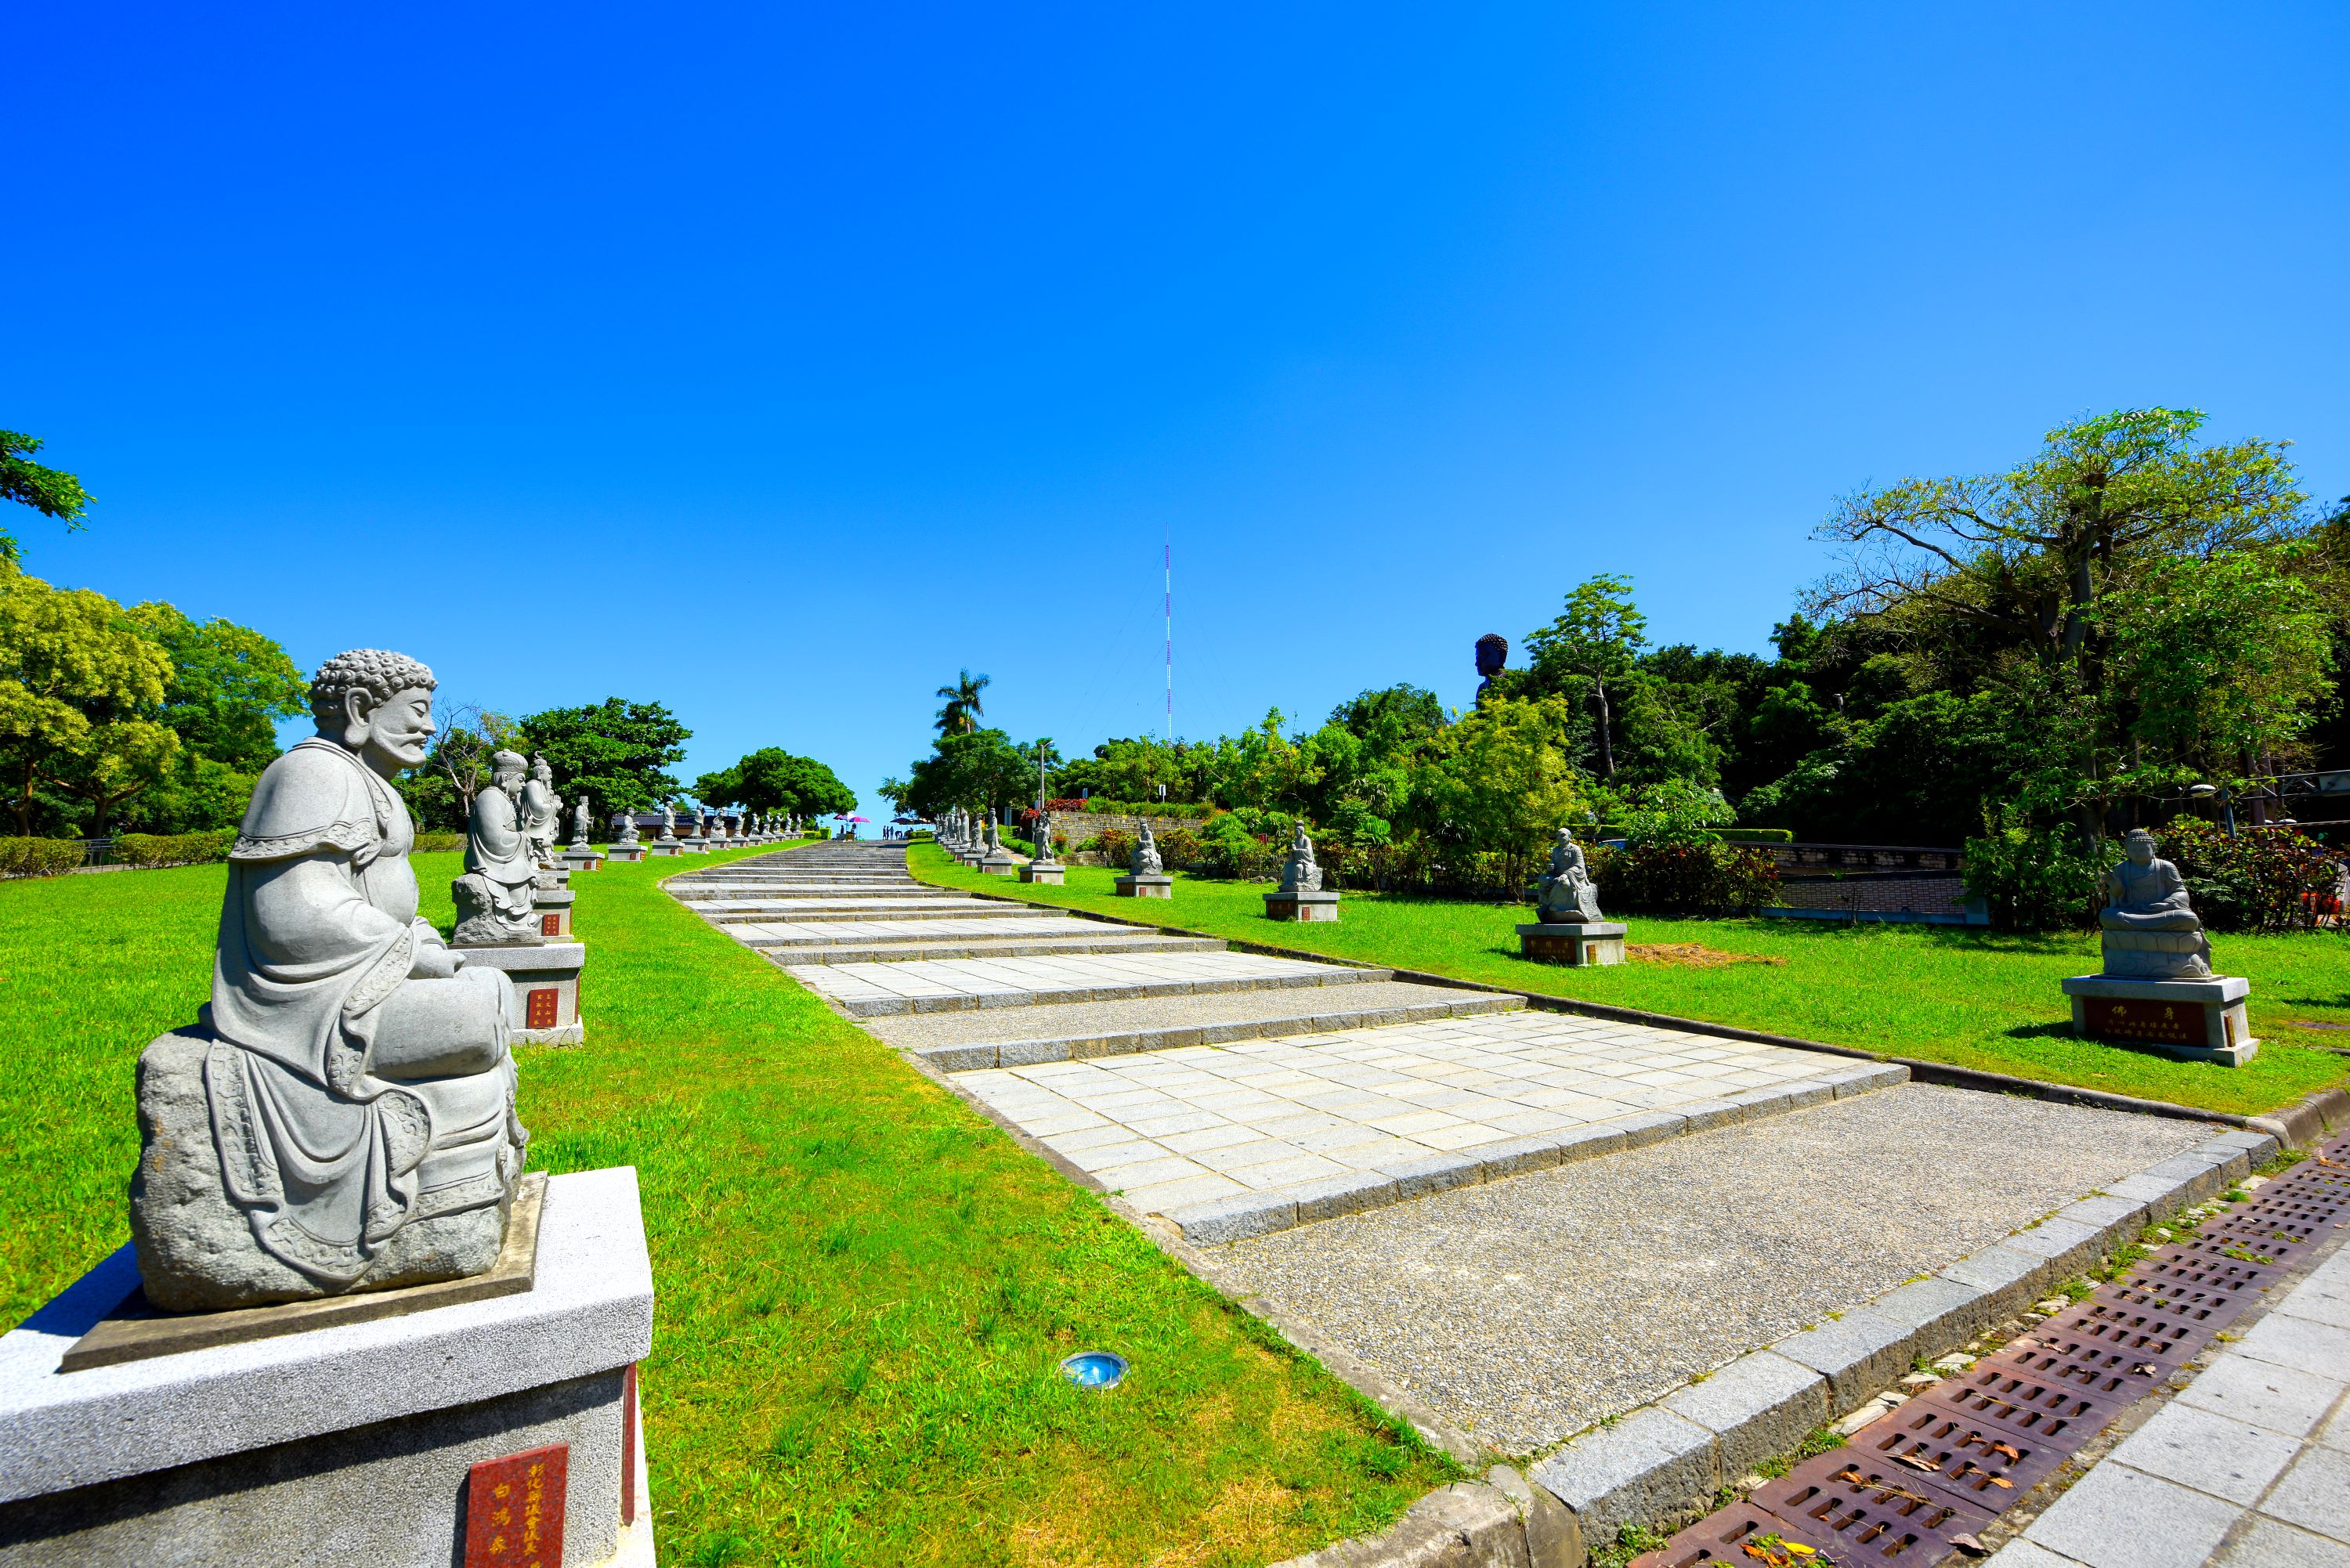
[[961, 714]]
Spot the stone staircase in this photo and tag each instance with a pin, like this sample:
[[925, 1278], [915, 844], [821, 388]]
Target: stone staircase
[[1233, 1093]]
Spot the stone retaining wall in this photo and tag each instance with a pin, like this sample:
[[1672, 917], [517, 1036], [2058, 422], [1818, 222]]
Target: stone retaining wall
[[1897, 897]]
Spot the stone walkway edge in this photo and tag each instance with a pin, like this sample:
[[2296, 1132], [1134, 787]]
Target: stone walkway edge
[[1668, 1458]]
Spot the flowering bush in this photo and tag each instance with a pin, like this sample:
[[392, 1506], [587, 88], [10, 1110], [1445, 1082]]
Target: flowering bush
[[2263, 879], [2032, 879]]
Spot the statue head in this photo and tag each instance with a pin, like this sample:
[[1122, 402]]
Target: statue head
[[1492, 652], [1565, 837], [376, 703], [506, 770], [541, 771], [2138, 844]]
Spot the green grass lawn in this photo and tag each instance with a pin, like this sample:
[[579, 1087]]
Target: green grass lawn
[[1971, 997], [863, 1286]]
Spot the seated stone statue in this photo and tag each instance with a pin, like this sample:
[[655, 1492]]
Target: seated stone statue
[[1301, 873], [343, 1119], [1568, 894], [494, 898], [1145, 855], [2150, 932], [628, 822]]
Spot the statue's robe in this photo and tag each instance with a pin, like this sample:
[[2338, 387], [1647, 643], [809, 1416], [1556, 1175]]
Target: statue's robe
[[498, 848], [2150, 898], [318, 938]]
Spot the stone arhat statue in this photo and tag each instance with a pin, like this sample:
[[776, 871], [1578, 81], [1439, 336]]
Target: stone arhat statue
[[2150, 932], [1043, 831], [494, 895], [583, 826], [1301, 873], [344, 1117], [628, 821], [1145, 855], [668, 822], [542, 811], [1568, 894]]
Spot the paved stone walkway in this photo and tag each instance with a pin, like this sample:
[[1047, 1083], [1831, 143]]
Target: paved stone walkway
[[2248, 1467]]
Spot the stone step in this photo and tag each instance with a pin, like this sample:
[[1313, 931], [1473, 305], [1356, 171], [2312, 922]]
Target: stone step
[[991, 927], [693, 892], [907, 950], [885, 990], [770, 912], [995, 1037]]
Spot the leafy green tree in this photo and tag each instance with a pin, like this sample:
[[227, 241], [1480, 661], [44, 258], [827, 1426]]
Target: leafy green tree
[[51, 491], [229, 684], [772, 779], [79, 676], [1500, 782], [976, 770], [1591, 646], [615, 751]]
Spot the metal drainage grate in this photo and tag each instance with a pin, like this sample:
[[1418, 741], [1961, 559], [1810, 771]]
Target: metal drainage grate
[[1974, 1461]]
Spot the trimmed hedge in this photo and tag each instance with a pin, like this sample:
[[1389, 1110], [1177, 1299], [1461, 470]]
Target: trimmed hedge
[[147, 849], [38, 857]]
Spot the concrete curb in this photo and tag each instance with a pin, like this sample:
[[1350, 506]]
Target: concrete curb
[[1665, 1461], [1500, 1522]]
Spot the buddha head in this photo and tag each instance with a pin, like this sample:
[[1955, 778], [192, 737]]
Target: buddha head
[[376, 703], [2138, 844]]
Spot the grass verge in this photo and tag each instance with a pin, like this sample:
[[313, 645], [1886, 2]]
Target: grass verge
[[864, 1288], [1971, 997]]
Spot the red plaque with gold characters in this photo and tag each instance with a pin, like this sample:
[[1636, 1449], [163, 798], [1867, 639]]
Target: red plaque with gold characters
[[541, 1007], [2164, 1023], [514, 1509]]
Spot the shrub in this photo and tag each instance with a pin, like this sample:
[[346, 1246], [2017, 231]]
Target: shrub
[[1116, 846], [2032, 879], [38, 857], [1242, 843], [2263, 879], [173, 848], [1677, 876], [1195, 811], [1178, 846]]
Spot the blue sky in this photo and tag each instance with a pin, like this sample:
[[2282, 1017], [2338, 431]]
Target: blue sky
[[774, 364]]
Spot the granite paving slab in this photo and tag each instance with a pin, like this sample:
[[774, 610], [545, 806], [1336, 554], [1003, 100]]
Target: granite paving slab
[[868, 933], [875, 990], [1529, 1308]]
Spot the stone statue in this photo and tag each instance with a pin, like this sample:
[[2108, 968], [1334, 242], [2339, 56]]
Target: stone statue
[[583, 828], [1492, 653], [1301, 873], [1043, 831], [542, 811], [668, 823], [994, 838], [1568, 895], [494, 895], [627, 820], [1145, 855], [343, 1118], [2149, 932]]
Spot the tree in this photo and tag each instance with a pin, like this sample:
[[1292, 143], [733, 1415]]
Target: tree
[[78, 680], [962, 711], [978, 770], [615, 751], [51, 491], [1593, 640], [441, 792], [771, 779], [1500, 782], [229, 685]]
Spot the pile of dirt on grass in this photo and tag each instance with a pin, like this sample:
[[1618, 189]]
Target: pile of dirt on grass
[[1691, 955]]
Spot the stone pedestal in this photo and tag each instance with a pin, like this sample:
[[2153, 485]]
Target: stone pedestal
[[695, 845], [629, 853], [343, 1430], [1147, 885], [2187, 1020], [1054, 873], [998, 863], [1301, 906], [580, 857], [1578, 943], [551, 910], [546, 988]]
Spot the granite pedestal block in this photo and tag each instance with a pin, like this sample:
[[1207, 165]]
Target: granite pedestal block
[[999, 863], [546, 988], [665, 847], [1578, 943], [1301, 906], [551, 910], [2187, 1020], [580, 858], [1147, 886], [695, 845], [346, 1443], [1053, 874], [630, 853]]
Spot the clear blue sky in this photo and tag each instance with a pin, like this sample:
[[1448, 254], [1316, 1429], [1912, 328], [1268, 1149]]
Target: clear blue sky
[[774, 365]]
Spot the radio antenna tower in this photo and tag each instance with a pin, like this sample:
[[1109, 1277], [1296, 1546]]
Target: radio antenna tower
[[1166, 564]]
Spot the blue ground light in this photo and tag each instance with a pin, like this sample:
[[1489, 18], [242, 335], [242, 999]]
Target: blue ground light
[[1093, 1369]]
